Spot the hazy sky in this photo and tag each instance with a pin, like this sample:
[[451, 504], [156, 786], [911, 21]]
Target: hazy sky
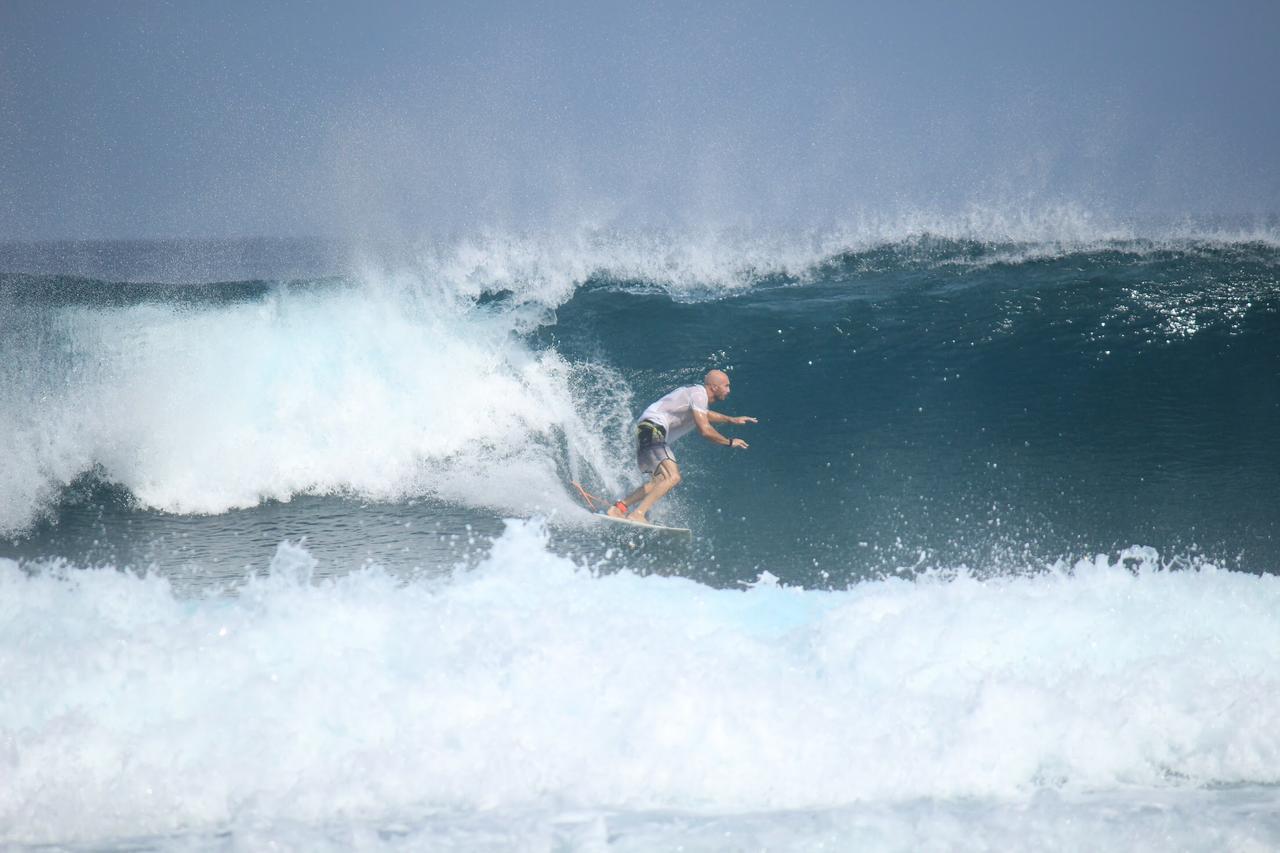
[[397, 119]]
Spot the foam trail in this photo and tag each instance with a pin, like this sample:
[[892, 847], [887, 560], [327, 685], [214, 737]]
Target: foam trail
[[532, 684]]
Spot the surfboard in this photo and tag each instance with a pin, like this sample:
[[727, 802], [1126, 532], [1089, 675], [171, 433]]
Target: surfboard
[[591, 500], [647, 527]]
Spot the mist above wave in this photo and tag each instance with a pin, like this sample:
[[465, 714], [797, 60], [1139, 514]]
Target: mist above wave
[[552, 259], [710, 261]]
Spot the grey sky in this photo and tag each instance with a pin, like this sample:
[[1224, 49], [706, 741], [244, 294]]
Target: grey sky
[[400, 119]]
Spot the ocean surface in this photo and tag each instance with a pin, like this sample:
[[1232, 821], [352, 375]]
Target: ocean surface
[[289, 554]]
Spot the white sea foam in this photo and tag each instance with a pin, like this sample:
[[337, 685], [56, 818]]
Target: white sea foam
[[381, 389], [530, 687]]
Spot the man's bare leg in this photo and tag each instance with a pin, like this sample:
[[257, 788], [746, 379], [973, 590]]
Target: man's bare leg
[[631, 499], [666, 478]]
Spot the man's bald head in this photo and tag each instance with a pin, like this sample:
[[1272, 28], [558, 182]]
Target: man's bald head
[[717, 385]]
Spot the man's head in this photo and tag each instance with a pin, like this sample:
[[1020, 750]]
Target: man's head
[[717, 384]]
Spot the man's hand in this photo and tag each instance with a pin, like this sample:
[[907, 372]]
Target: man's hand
[[743, 419]]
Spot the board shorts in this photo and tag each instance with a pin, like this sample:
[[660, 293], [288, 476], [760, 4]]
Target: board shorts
[[651, 447]]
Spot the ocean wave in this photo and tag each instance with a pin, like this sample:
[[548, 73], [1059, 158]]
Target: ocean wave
[[532, 683], [432, 372]]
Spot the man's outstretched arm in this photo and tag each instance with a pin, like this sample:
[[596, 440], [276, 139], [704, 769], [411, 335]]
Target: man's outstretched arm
[[717, 418]]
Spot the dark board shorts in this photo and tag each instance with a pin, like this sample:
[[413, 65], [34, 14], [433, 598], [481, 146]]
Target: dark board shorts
[[651, 447]]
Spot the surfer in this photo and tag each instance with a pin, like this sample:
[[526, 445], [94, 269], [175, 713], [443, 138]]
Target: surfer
[[662, 423]]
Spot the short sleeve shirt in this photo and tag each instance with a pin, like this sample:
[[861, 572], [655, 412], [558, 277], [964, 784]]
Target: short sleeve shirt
[[674, 412]]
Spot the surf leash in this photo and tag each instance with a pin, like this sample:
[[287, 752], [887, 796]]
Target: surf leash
[[591, 499], [587, 497]]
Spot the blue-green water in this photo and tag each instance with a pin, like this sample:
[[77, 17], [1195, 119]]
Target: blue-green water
[[288, 553], [927, 402]]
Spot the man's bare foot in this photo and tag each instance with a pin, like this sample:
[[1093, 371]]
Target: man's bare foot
[[638, 516], [615, 511]]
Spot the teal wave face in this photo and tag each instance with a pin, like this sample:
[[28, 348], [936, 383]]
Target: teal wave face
[[957, 403], [923, 402]]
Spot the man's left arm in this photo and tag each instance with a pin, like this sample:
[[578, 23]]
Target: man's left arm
[[717, 418]]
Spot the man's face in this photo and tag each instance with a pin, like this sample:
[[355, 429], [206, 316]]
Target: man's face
[[720, 388]]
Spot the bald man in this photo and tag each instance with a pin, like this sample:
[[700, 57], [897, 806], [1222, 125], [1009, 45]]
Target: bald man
[[662, 423]]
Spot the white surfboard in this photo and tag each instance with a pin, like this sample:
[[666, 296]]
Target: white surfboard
[[646, 526], [590, 500]]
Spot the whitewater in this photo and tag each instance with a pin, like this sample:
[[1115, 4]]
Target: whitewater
[[288, 554], [532, 686]]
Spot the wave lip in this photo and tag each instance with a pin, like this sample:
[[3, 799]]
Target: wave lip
[[710, 262], [530, 683]]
